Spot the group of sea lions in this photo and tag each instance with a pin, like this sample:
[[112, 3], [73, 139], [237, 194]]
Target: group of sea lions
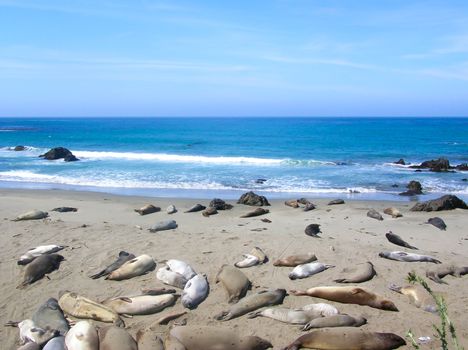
[[49, 328]]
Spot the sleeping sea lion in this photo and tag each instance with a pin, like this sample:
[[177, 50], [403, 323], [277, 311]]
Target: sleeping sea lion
[[32, 215], [136, 267], [115, 338], [418, 296], [65, 209], [313, 230], [294, 260], [30, 332], [256, 212], [39, 267], [50, 316], [361, 273], [171, 209], [234, 281], [374, 214], [437, 222], [209, 211], [140, 304], [341, 320], [167, 276], [181, 267], [408, 257], [309, 269], [296, 316], [83, 335], [147, 209], [394, 212], [33, 253], [57, 343], [195, 291], [395, 239], [293, 203], [123, 258], [163, 226], [436, 273], [195, 208]]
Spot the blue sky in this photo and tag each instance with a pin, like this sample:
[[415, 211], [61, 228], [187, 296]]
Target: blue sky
[[236, 58]]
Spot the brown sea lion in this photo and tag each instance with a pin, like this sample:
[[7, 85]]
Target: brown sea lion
[[293, 203], [209, 211], [234, 281], [123, 258], [256, 212], [147, 209], [349, 295], [212, 338], [341, 320], [346, 339], [394, 212], [136, 267], [140, 304], [436, 273], [418, 296], [115, 338], [395, 239], [360, 273], [39, 267], [294, 260], [32, 215]]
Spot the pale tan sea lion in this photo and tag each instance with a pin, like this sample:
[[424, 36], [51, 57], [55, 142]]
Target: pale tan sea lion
[[256, 212], [122, 259], [33, 253], [341, 320], [408, 257], [234, 281], [212, 338], [167, 276], [39, 267], [136, 267], [296, 316], [293, 203], [418, 296], [436, 273], [140, 304], [148, 340], [32, 215], [82, 336], [294, 260], [360, 273], [346, 339], [81, 307], [394, 212], [115, 338], [147, 209], [349, 295]]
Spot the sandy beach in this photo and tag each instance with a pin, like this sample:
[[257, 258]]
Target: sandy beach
[[106, 224]]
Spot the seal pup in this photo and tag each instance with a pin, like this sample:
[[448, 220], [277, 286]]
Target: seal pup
[[32, 215], [294, 260], [253, 302], [349, 295], [65, 209], [358, 274], [171, 209], [306, 270], [136, 267], [33, 253], [181, 267], [39, 267], [209, 211], [394, 212], [438, 272], [50, 316], [163, 226], [296, 316], [195, 291], [256, 212], [115, 338], [123, 258], [30, 332], [140, 304], [167, 276], [418, 296], [195, 208], [234, 281], [437, 222], [81, 307], [374, 214], [313, 230], [341, 320], [147, 340], [57, 343], [395, 239], [147, 209], [346, 339], [82, 336], [212, 338], [408, 257]]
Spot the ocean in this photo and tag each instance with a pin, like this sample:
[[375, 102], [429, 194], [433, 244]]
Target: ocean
[[224, 157]]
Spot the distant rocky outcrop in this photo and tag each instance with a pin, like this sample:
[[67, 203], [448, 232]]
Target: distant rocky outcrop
[[414, 188], [59, 153], [447, 202], [462, 167], [250, 198], [19, 148], [401, 161]]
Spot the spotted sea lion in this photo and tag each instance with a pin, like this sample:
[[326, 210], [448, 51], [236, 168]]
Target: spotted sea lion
[[346, 339], [394, 212], [349, 295], [57, 343], [234, 281], [140, 304], [312, 230], [256, 212], [167, 276], [115, 338], [436, 273], [395, 239], [39, 267], [181, 267], [374, 214], [408, 257], [163, 226], [306, 270], [294, 260], [195, 291], [360, 273], [50, 316], [341, 320], [195, 208], [296, 316], [32, 215], [136, 267], [212, 338], [33, 253], [418, 296], [147, 209], [437, 222], [253, 302], [123, 258], [82, 336]]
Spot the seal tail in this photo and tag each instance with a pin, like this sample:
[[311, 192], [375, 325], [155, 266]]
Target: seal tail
[[99, 275]]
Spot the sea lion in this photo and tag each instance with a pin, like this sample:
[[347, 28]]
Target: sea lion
[[136, 267], [82, 336], [361, 273], [260, 254], [294, 260], [249, 260], [253, 302], [212, 338], [394, 212], [437, 222], [33, 253], [195, 291], [418, 296], [167, 276], [306, 270], [50, 316], [408, 257], [234, 282], [123, 258], [395, 239], [32, 215], [165, 319], [313, 230], [147, 340], [163, 226], [374, 214], [140, 304], [309, 206], [209, 211], [346, 339], [195, 208], [436, 273], [39, 267], [341, 320], [171, 209], [349, 295], [147, 209], [219, 204], [157, 291], [81, 307], [30, 332], [181, 267], [336, 201], [115, 338], [294, 316], [57, 343], [256, 212], [293, 203], [65, 209]]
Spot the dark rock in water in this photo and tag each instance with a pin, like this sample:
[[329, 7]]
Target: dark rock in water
[[462, 167], [219, 204], [251, 198], [58, 153], [312, 230], [418, 171], [19, 148], [336, 201], [395, 186], [414, 188], [465, 180], [401, 161], [374, 214], [437, 165], [64, 209], [437, 222], [447, 202], [260, 181]]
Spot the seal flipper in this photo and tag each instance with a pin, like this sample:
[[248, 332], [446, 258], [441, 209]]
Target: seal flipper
[[223, 316], [254, 314]]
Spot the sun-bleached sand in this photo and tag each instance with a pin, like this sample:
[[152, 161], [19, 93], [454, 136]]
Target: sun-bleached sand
[[106, 224]]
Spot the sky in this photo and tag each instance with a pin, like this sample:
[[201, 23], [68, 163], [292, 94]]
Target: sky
[[233, 58]]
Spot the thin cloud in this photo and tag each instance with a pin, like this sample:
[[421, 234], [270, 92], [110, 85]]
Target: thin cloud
[[333, 62]]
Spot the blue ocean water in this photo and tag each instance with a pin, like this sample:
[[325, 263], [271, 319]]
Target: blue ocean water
[[224, 157]]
